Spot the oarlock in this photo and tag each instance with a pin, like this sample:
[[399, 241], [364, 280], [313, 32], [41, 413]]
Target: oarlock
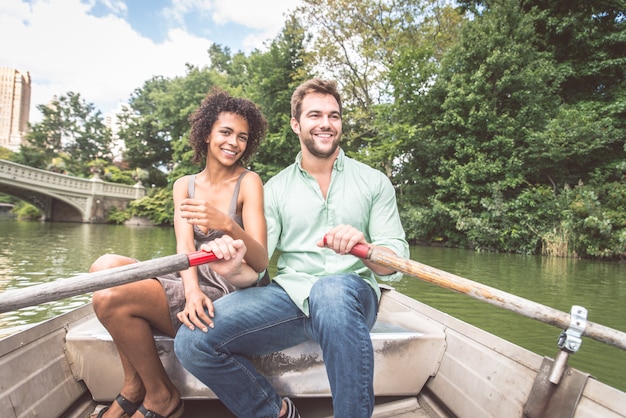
[[569, 342]]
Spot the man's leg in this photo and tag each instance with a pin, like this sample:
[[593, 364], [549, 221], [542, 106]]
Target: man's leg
[[253, 321], [343, 310]]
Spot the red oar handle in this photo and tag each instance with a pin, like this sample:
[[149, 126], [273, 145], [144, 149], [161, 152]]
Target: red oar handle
[[200, 257], [359, 250]]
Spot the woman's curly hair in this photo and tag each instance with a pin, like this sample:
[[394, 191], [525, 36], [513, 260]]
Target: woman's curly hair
[[203, 119]]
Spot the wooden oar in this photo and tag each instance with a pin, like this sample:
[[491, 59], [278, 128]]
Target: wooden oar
[[89, 282], [488, 294]]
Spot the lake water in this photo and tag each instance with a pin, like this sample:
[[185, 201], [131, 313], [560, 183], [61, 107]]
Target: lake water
[[36, 252]]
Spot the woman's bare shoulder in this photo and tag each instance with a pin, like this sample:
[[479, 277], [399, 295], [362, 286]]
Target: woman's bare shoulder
[[251, 179]]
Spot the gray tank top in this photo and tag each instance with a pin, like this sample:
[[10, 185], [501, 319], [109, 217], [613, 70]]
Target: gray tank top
[[199, 236]]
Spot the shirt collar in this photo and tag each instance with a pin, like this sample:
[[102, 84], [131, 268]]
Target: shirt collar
[[337, 165]]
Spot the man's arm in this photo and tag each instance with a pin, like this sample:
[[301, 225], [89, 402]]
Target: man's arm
[[343, 238]]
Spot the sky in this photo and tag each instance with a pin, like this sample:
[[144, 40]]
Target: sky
[[105, 49]]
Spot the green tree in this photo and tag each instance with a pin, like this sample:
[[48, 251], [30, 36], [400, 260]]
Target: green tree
[[588, 40], [517, 140], [71, 129], [493, 89], [6, 154], [273, 75], [234, 67], [365, 51], [146, 139]]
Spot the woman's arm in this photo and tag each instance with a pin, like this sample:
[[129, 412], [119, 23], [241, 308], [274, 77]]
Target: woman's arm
[[254, 232], [184, 233], [193, 315]]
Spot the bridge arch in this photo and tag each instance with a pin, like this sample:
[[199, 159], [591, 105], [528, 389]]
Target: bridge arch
[[65, 198], [52, 206]]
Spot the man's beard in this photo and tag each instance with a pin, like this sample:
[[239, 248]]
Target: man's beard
[[311, 146]]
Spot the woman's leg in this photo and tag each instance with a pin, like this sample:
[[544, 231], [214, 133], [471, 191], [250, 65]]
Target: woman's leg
[[129, 312]]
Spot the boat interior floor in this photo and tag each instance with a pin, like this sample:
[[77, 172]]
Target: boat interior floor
[[386, 406], [396, 407]]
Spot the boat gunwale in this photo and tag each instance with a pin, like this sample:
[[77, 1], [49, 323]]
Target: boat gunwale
[[16, 341]]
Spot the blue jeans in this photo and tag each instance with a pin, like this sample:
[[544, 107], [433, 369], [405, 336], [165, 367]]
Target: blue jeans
[[263, 320]]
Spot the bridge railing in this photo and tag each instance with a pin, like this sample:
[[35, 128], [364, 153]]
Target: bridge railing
[[61, 182]]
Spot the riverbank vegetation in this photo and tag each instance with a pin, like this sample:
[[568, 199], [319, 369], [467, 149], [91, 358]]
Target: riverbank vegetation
[[501, 124]]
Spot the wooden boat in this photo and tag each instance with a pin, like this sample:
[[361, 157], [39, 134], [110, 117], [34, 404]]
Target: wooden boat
[[427, 364]]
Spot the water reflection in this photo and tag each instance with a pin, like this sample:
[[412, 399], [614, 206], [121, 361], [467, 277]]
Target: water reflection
[[37, 252]]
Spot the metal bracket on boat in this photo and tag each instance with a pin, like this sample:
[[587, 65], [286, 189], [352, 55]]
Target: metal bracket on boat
[[570, 339], [556, 393], [569, 342]]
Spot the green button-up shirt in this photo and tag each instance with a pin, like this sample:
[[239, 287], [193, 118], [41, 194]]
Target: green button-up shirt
[[298, 216]]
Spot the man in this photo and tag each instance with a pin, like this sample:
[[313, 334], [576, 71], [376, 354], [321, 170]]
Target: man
[[317, 209]]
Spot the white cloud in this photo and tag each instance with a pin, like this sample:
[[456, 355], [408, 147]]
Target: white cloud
[[267, 16], [66, 49], [117, 6], [180, 8]]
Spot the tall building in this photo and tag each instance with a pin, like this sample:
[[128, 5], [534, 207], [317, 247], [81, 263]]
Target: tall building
[[111, 121], [14, 107]]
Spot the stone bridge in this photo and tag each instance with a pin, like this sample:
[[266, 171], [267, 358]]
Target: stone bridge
[[65, 198]]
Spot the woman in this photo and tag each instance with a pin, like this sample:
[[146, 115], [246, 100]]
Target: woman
[[220, 200]]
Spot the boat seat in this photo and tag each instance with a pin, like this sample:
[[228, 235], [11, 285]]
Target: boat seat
[[407, 350]]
